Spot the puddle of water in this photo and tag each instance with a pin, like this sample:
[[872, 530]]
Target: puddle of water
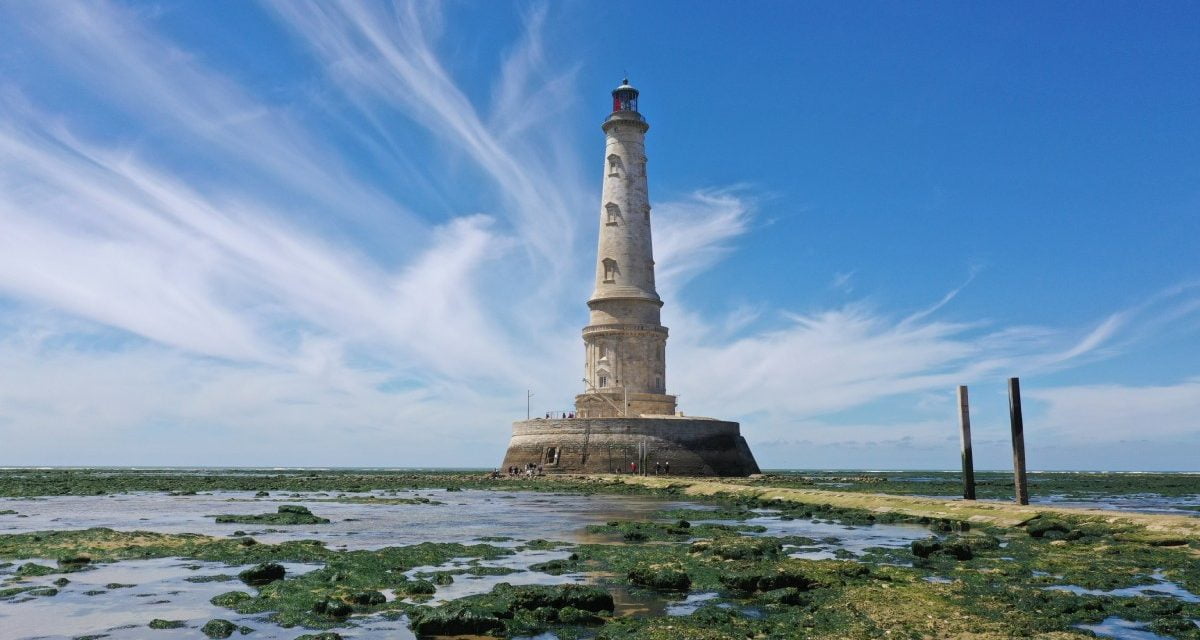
[[831, 536], [640, 604], [1122, 629], [937, 579], [158, 590], [466, 584], [1137, 502], [691, 603], [518, 515], [1162, 588]]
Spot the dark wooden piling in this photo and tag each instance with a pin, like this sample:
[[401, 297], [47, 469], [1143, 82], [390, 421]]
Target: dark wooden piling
[[968, 463], [1018, 441]]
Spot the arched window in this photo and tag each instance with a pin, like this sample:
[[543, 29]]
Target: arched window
[[601, 379], [602, 349], [610, 270], [613, 213], [615, 166]]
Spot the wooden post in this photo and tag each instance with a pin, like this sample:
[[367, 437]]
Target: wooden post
[[1018, 440], [968, 463]]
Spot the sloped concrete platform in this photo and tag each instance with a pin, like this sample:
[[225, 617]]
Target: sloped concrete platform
[[692, 446]]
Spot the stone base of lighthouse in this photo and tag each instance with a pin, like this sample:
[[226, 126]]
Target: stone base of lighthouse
[[692, 446]]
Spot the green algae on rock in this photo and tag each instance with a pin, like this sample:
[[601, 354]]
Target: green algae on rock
[[218, 628], [662, 577], [514, 609], [288, 514], [262, 574]]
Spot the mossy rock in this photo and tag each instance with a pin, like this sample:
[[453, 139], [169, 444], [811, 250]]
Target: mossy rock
[[159, 623], [573, 616], [13, 592], [556, 567], [74, 561], [768, 579], [368, 598], [1049, 528], [262, 574], [328, 635], [218, 628], [739, 548], [287, 514], [925, 548], [32, 569], [585, 597], [418, 588], [787, 596], [663, 577], [333, 608], [230, 599], [445, 621], [957, 549]]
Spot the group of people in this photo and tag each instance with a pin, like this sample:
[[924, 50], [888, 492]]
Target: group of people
[[660, 468], [556, 414], [529, 470]]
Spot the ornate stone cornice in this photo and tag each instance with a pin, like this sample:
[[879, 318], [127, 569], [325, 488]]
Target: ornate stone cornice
[[624, 329]]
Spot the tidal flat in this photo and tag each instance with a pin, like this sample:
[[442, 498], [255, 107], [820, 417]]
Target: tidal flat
[[171, 553]]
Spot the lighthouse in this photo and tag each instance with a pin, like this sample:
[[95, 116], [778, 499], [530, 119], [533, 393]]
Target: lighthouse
[[624, 419], [625, 343]]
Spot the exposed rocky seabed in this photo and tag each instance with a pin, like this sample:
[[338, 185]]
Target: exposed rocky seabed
[[372, 553]]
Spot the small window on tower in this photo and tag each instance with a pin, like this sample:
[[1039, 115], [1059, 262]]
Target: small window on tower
[[602, 379], [614, 166], [610, 270], [613, 212], [603, 352]]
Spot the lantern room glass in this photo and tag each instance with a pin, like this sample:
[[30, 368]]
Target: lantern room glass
[[625, 100]]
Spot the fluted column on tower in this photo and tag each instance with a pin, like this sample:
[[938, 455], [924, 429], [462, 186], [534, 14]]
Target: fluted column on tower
[[625, 344]]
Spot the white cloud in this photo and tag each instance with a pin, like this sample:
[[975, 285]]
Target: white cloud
[[186, 315], [693, 234], [1113, 412]]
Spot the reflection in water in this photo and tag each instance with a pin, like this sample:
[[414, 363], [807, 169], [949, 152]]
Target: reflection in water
[[1122, 629], [1161, 588]]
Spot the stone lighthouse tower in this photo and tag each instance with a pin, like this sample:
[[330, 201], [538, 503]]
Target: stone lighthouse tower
[[624, 421], [625, 344]]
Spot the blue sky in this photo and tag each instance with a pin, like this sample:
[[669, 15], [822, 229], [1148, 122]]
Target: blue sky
[[296, 233]]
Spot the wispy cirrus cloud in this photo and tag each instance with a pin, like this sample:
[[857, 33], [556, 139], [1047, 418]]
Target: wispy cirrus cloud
[[383, 58]]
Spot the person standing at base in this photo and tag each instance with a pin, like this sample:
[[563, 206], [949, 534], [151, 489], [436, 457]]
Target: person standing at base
[[667, 465], [657, 467]]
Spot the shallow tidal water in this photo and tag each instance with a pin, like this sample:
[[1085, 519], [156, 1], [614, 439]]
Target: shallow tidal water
[[89, 605]]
